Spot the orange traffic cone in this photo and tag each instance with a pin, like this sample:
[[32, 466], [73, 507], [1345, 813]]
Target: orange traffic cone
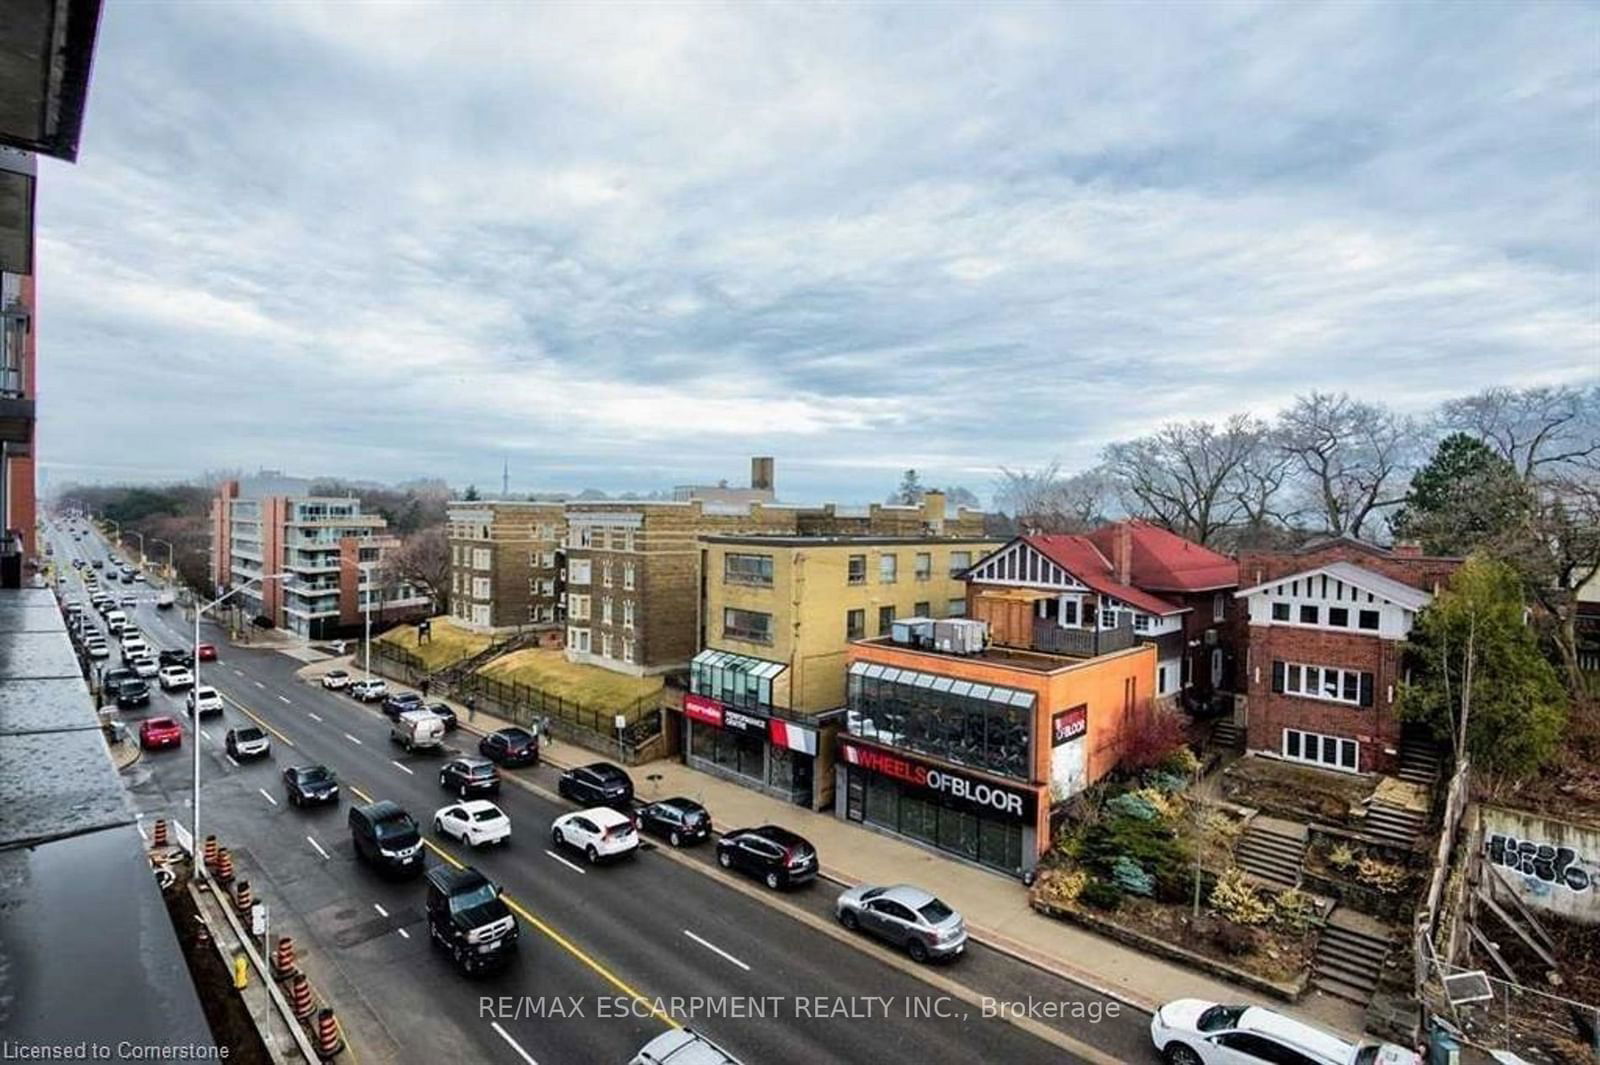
[[224, 870], [300, 996], [211, 852], [283, 965], [329, 1042], [242, 898], [158, 835]]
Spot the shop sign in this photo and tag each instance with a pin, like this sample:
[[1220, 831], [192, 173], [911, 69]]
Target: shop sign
[[964, 789], [706, 711], [744, 723], [792, 737], [1068, 725]]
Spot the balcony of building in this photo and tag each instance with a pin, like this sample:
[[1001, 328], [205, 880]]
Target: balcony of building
[[16, 391]]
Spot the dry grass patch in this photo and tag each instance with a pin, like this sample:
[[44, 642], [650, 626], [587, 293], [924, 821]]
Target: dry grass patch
[[446, 645], [593, 687]]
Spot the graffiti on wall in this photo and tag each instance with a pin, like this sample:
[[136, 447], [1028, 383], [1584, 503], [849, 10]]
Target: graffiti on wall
[[1545, 867]]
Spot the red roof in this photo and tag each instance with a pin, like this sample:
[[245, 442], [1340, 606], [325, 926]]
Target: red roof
[[1079, 557], [1165, 562]]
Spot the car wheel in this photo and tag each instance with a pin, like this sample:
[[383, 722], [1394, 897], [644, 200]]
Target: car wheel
[[675, 839], [559, 839], [848, 919], [438, 827], [590, 853], [1179, 1054], [725, 859], [293, 799], [772, 881], [562, 789], [918, 951]]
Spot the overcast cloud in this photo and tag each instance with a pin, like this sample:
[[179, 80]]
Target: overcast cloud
[[630, 246]]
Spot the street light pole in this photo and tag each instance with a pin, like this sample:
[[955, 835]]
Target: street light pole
[[168, 545], [140, 535]]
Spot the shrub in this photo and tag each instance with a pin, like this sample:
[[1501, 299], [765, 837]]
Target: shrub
[[1101, 895], [1133, 804], [1381, 876], [1061, 886], [1235, 940], [1151, 844], [1234, 898], [1165, 783], [1182, 762], [1128, 875], [1342, 857], [1294, 910], [1220, 830], [1154, 740]]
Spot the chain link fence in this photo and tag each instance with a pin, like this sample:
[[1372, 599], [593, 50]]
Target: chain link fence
[[1535, 1024]]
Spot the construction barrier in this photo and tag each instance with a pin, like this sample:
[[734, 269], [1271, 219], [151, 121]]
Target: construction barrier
[[158, 835], [211, 853], [224, 870], [242, 898], [300, 996], [283, 965], [329, 1042]]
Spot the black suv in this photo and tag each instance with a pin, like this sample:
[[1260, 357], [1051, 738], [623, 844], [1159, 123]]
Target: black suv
[[132, 692], [775, 855], [385, 835], [467, 917], [470, 776], [169, 657], [680, 820], [112, 682], [597, 784], [307, 784], [443, 711], [510, 747], [400, 702]]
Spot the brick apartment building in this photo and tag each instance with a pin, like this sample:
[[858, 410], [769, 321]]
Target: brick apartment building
[[505, 564], [1326, 627]]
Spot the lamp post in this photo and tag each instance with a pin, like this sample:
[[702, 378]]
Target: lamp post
[[140, 535], [168, 545], [199, 611]]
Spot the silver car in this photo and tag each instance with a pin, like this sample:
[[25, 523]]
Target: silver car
[[905, 916]]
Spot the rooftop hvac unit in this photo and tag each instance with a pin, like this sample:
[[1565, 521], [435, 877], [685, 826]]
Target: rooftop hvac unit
[[912, 632], [959, 636]]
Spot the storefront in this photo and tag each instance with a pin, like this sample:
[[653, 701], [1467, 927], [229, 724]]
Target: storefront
[[758, 746], [970, 815]]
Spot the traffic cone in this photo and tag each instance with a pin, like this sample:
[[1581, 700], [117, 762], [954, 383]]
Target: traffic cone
[[329, 1042], [211, 852], [300, 996], [283, 965], [242, 899], [224, 869], [158, 835]]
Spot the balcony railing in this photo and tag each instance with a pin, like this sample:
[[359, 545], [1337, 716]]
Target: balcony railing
[[1082, 643]]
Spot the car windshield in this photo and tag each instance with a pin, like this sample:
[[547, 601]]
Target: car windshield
[[207, 693], [249, 734], [1218, 1018], [1366, 1055], [479, 895], [315, 775], [481, 770], [395, 828], [516, 737], [935, 912]]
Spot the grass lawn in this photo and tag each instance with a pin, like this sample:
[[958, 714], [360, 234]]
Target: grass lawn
[[596, 688], [446, 645]]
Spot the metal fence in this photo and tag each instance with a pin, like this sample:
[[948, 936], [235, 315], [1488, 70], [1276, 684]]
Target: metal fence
[[1534, 1024]]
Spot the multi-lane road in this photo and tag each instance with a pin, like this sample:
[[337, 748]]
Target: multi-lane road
[[610, 955]]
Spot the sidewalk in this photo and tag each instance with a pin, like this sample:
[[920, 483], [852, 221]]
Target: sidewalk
[[996, 907]]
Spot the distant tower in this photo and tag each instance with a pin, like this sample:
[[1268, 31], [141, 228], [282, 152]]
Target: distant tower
[[505, 479]]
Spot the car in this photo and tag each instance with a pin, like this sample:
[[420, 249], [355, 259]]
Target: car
[[469, 776], [386, 836], [127, 578], [113, 678], [129, 601], [206, 652], [132, 649], [207, 698], [678, 820], [308, 785], [98, 563], [597, 783], [906, 917], [158, 732], [443, 711], [400, 703], [140, 578], [171, 678], [1191, 1031], [335, 679], [132, 692], [511, 747], [476, 822], [172, 657], [682, 1046], [247, 741], [97, 649], [779, 858], [599, 832], [165, 600], [468, 918], [417, 730], [367, 691], [145, 666]]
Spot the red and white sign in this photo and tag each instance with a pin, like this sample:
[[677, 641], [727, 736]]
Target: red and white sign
[[1068, 725], [706, 711], [967, 790], [791, 736]]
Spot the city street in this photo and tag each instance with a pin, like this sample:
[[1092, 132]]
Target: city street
[[604, 949]]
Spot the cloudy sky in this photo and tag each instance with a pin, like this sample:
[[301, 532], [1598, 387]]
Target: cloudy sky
[[630, 246]]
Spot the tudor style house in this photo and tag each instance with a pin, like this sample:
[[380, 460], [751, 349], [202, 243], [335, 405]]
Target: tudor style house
[[1126, 583], [1326, 627]]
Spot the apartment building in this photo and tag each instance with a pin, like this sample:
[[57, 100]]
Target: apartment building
[[18, 506], [505, 564], [1326, 627], [777, 617], [332, 552]]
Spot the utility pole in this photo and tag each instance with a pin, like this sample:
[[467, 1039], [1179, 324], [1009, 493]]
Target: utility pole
[[505, 479]]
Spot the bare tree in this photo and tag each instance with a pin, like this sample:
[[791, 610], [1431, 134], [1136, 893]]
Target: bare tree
[[1349, 458], [1533, 428], [1049, 501], [1186, 476], [1260, 489], [423, 559]]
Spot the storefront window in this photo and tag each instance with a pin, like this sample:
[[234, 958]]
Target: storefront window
[[780, 768], [978, 725], [703, 741], [883, 800], [919, 819]]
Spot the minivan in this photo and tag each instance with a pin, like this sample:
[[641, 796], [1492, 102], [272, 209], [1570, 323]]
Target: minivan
[[387, 837]]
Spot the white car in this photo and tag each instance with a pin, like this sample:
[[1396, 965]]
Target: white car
[[139, 577], [476, 823], [173, 677], [97, 649], [600, 832], [207, 699], [1191, 1031], [335, 679], [145, 666]]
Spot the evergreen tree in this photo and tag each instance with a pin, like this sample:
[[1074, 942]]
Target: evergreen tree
[[1467, 496], [471, 494], [910, 491]]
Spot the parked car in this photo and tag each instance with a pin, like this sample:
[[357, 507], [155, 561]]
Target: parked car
[[400, 703], [113, 680], [307, 785], [678, 819], [247, 741], [158, 732], [443, 712], [335, 679], [599, 832], [98, 563], [145, 666], [171, 678], [387, 837], [468, 918], [96, 649], [127, 578], [132, 649], [906, 917], [129, 601], [132, 692], [206, 652], [206, 698], [773, 854], [682, 1046], [367, 691], [469, 776], [417, 730], [511, 747], [597, 783], [1190, 1031], [476, 822]]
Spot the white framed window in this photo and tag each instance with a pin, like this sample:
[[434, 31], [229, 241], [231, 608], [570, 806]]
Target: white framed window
[[1141, 621], [1219, 606], [627, 613], [1315, 748], [579, 571], [628, 541], [605, 572], [605, 614], [480, 587], [480, 614], [578, 607], [585, 536], [480, 558], [1328, 683], [627, 575], [578, 639], [888, 568], [627, 649], [605, 645]]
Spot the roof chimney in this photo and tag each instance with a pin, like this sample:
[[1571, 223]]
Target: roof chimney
[[1124, 552], [933, 511], [761, 473]]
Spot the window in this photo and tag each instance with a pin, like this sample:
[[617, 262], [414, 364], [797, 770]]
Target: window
[[888, 568], [959, 562], [578, 607], [1309, 614], [1329, 683], [957, 608], [747, 569], [1141, 622], [1069, 612], [1368, 620], [480, 587], [1339, 617], [578, 639], [605, 614], [578, 571], [857, 569], [922, 567], [619, 539], [855, 624], [1280, 611], [627, 575], [749, 625], [1161, 680], [585, 536], [627, 649], [480, 558], [1219, 606], [885, 619], [627, 613], [922, 610], [605, 645], [605, 572], [1333, 752]]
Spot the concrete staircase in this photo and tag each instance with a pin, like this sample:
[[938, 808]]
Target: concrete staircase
[[1421, 762], [450, 678], [1394, 824], [1272, 850], [1225, 735], [1350, 956]]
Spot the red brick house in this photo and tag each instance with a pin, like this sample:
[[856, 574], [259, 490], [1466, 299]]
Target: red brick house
[[1326, 625]]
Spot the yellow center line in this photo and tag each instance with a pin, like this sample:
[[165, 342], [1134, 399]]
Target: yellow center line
[[253, 716]]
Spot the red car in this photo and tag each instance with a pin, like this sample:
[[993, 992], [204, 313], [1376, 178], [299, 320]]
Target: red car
[[208, 652], [158, 732]]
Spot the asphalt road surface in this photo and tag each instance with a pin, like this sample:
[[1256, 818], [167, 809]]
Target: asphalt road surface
[[610, 955]]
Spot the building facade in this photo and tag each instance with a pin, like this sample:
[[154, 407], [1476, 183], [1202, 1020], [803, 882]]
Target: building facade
[[505, 572], [332, 552], [967, 753], [1326, 627]]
